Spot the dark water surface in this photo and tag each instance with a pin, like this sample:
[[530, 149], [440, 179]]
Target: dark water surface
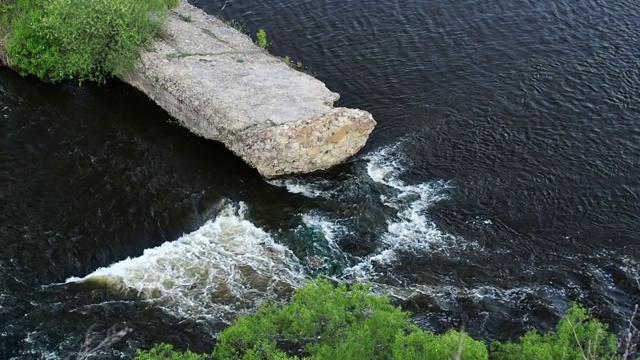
[[501, 184]]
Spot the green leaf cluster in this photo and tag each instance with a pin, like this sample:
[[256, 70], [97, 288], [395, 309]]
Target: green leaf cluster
[[576, 337], [6, 7], [261, 39], [325, 322], [166, 352], [81, 39]]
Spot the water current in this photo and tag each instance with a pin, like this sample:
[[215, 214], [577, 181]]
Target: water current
[[501, 184]]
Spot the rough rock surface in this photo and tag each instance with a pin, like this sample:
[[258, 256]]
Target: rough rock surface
[[222, 86]]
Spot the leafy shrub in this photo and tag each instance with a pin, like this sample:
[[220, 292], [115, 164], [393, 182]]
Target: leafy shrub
[[421, 345], [5, 8], [82, 39], [261, 37], [166, 352], [577, 336], [325, 322]]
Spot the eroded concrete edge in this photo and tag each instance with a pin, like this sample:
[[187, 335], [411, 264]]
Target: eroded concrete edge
[[304, 146]]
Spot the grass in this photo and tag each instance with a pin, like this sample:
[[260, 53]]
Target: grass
[[296, 65], [43, 42], [238, 26]]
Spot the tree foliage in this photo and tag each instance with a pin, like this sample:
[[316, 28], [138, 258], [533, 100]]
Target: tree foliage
[[166, 352], [577, 336], [324, 322], [261, 39], [327, 322], [81, 39]]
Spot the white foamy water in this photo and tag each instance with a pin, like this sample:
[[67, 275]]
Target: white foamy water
[[227, 265], [230, 265], [631, 267], [411, 230], [310, 189], [448, 297], [330, 230], [37, 347]]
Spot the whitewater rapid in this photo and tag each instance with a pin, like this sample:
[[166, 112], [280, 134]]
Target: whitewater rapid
[[230, 265], [227, 265]]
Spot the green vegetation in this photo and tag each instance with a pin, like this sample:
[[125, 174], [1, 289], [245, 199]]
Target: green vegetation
[[5, 17], [577, 336], [261, 39], [166, 352], [297, 65], [327, 322], [185, 18], [5, 10], [84, 40], [238, 26]]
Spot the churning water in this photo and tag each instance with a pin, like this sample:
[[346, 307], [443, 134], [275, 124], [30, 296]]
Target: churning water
[[501, 184]]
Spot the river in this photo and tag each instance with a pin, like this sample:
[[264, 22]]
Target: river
[[501, 184]]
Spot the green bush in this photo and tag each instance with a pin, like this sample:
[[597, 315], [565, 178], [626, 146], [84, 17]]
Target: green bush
[[82, 39], [6, 8], [577, 336], [166, 352], [327, 322], [452, 345], [261, 37], [324, 322]]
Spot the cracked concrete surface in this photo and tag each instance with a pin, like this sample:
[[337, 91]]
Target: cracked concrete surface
[[221, 86]]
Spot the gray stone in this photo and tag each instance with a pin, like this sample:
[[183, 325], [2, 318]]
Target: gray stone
[[221, 86]]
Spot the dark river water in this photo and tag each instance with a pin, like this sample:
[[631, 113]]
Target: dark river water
[[501, 184]]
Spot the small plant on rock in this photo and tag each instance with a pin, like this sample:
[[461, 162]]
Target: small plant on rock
[[238, 26], [261, 37]]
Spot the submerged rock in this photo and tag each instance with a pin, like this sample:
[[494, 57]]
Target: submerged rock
[[223, 87]]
